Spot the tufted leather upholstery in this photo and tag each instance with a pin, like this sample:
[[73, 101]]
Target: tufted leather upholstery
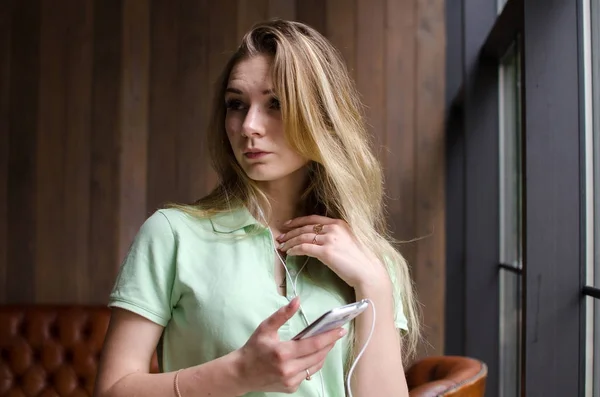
[[448, 376], [51, 350], [54, 351]]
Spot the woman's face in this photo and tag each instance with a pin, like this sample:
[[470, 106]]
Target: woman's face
[[254, 125]]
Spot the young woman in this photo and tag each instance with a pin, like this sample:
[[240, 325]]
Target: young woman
[[295, 227]]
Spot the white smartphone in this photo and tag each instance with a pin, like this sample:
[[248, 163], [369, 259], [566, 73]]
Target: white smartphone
[[333, 319]]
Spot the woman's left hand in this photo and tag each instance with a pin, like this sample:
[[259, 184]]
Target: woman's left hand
[[332, 242]]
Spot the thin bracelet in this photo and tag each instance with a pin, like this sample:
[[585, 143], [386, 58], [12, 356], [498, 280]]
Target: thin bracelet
[[176, 384]]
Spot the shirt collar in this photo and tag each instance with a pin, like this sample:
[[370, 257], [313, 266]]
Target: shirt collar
[[233, 221]]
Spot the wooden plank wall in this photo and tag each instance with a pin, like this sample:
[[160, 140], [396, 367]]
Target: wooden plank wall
[[103, 105]]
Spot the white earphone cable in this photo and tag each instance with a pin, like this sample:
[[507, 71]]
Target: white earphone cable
[[293, 283], [301, 310], [362, 351]]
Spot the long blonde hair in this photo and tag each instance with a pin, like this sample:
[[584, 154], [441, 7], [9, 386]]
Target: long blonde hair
[[323, 121]]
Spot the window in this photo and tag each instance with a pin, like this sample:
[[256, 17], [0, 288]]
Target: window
[[510, 202], [518, 177], [595, 124], [591, 34]]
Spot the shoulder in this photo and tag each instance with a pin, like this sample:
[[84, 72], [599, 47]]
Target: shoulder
[[178, 220], [176, 224], [183, 221], [170, 225]]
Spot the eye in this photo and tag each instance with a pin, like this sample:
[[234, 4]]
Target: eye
[[274, 104], [234, 104]]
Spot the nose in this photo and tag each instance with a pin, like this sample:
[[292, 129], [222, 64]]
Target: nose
[[254, 123]]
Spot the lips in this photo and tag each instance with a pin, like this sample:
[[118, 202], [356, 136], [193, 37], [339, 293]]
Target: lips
[[255, 154]]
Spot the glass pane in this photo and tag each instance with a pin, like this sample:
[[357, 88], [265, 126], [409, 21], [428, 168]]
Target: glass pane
[[595, 76], [591, 9], [596, 367], [510, 222], [594, 45], [510, 159], [510, 333]]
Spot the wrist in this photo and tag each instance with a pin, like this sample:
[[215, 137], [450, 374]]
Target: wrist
[[374, 283], [236, 363]]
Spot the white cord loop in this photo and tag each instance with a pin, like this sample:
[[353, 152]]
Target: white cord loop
[[301, 310]]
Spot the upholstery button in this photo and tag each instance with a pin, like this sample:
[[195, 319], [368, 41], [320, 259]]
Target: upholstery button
[[86, 332], [38, 328], [22, 328], [71, 325], [53, 331], [82, 383]]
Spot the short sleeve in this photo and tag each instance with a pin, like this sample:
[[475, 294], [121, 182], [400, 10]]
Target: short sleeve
[[400, 319], [145, 281]]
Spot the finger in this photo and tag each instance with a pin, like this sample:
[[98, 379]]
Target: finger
[[281, 316], [307, 249], [291, 384], [307, 238], [312, 370], [309, 220], [298, 231], [309, 346]]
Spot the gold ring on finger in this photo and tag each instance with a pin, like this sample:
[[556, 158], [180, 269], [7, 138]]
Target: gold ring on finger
[[318, 228]]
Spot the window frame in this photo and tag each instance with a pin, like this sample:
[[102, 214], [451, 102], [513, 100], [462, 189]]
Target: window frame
[[554, 234]]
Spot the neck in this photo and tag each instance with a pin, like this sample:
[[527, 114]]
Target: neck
[[284, 197]]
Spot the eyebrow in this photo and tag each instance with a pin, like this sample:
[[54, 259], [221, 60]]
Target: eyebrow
[[236, 91]]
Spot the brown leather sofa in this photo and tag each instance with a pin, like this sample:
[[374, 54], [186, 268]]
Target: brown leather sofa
[[54, 351], [448, 376]]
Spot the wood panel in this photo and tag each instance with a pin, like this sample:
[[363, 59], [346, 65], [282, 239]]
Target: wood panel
[[76, 235], [429, 181], [222, 38], [370, 67], [162, 181], [50, 258], [6, 11], [401, 87], [313, 13], [106, 105], [194, 106], [135, 69], [341, 30], [22, 118], [104, 202], [283, 9], [250, 12]]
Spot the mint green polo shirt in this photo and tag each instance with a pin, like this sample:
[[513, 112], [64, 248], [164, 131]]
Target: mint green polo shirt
[[210, 283]]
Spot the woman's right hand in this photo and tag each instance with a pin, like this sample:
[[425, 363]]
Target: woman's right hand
[[270, 365]]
